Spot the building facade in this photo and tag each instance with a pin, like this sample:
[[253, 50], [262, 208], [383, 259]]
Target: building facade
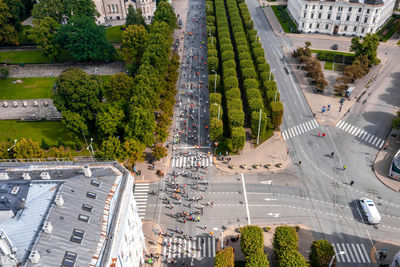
[[351, 18], [111, 10]]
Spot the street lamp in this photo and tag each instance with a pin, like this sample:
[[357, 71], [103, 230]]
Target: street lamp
[[259, 126], [270, 71], [276, 93], [333, 257], [215, 81], [90, 146], [15, 141], [212, 37], [219, 108]]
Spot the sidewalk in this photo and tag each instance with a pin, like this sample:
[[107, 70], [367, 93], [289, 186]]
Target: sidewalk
[[153, 242], [273, 21], [384, 159], [272, 152]]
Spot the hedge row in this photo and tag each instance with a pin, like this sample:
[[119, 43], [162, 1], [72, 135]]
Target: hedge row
[[266, 79], [321, 253], [225, 258], [252, 246], [286, 247], [233, 107]]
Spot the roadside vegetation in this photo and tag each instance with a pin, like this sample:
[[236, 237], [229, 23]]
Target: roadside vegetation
[[284, 19], [391, 27]]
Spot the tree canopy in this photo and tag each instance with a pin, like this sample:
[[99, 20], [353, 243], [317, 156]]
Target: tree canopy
[[60, 9], [8, 34], [368, 46], [134, 42], [134, 17], [165, 12], [119, 87], [43, 33]]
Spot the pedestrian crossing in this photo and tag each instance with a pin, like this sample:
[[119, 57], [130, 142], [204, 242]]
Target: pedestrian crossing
[[140, 194], [191, 161], [199, 247], [360, 133], [353, 253], [300, 129]]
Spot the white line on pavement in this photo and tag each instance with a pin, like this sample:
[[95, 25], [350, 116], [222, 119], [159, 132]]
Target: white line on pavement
[[245, 199]]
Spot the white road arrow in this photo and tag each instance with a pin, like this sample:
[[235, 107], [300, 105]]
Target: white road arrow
[[273, 214], [267, 182], [269, 199]]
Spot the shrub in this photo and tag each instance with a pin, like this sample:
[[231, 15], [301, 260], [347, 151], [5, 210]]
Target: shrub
[[236, 117], [255, 104], [285, 239], [234, 104], [231, 82], [253, 93], [230, 64], [256, 45], [271, 95], [269, 85], [249, 73], [227, 47], [251, 34], [229, 73], [241, 41], [223, 35], [242, 48], [239, 35], [211, 19], [216, 129], [321, 253], [4, 73], [263, 67], [233, 93], [223, 41], [251, 240], [276, 114], [212, 53], [244, 56], [212, 63], [214, 110], [264, 76], [211, 82], [225, 258], [238, 139], [261, 60], [246, 64], [215, 98], [257, 260], [250, 83], [291, 259], [227, 55], [258, 52]]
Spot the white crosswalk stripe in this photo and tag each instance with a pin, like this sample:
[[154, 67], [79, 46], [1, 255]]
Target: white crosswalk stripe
[[140, 194], [200, 247], [183, 162], [361, 134], [354, 253], [299, 129]]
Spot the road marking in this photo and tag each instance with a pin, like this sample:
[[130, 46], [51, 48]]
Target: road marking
[[266, 182], [339, 124], [359, 130], [245, 199], [302, 128], [295, 130], [355, 129], [361, 254], [365, 252], [370, 139], [373, 142], [355, 252], [284, 135], [366, 137], [351, 128], [350, 251], [269, 199], [381, 144]]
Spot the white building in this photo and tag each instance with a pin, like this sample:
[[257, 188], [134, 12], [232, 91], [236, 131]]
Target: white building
[[111, 10], [68, 214], [340, 17]]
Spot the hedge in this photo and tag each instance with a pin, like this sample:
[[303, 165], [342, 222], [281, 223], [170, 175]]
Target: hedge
[[321, 253], [253, 93], [212, 53], [234, 104], [242, 48], [248, 73], [227, 55], [233, 93], [229, 72], [271, 95], [292, 259], [250, 83], [227, 47], [211, 82], [212, 63], [286, 246], [236, 117], [258, 52], [231, 82], [225, 258], [215, 109], [251, 240], [244, 55], [257, 260], [238, 138], [265, 123], [276, 114], [215, 98], [229, 64], [255, 104], [216, 129], [246, 63]]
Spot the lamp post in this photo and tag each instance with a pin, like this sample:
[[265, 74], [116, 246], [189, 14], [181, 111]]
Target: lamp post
[[212, 37], [276, 93], [219, 108], [333, 257], [259, 126], [270, 71], [91, 147], [215, 81], [15, 141]]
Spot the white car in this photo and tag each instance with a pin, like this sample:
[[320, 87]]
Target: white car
[[370, 210]]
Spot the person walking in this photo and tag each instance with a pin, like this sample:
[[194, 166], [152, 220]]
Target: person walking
[[299, 162], [344, 167], [352, 182], [333, 153], [205, 227]]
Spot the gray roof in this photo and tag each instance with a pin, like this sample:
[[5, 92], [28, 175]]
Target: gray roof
[[68, 181]]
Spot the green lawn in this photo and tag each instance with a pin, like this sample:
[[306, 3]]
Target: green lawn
[[114, 34], [388, 29], [30, 88], [328, 65], [339, 67], [333, 52], [284, 19], [51, 131], [17, 57]]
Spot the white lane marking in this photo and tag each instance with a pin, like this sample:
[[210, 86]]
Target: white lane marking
[[350, 252], [355, 252], [345, 126], [346, 254], [370, 139], [315, 122], [302, 128], [339, 123], [306, 126], [365, 252], [373, 142], [359, 130], [245, 199], [366, 137], [336, 252], [355, 129], [351, 128], [381, 144], [211, 160], [295, 130], [284, 135], [361, 254]]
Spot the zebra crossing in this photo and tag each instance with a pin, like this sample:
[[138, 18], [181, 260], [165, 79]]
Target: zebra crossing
[[300, 129], [140, 194], [198, 247], [354, 253], [191, 161], [360, 133]]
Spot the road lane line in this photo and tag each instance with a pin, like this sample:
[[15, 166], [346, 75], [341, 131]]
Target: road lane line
[[350, 252], [245, 199], [381, 144], [376, 138], [361, 254], [355, 252], [366, 137], [284, 135], [346, 254], [339, 123], [359, 130], [351, 128], [370, 139], [355, 129], [365, 252], [336, 252], [306, 126], [302, 128], [315, 123]]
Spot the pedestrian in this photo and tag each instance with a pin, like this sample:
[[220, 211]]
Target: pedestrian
[[352, 182], [323, 135], [319, 134], [299, 162], [344, 167], [205, 227], [184, 220], [333, 153]]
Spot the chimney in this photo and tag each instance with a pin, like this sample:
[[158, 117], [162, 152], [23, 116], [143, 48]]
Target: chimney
[[59, 201], [45, 175], [26, 176], [87, 171], [34, 257], [47, 227], [4, 176], [22, 203]]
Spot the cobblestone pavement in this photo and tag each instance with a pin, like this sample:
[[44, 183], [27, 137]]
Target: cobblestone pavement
[[43, 108], [49, 70]]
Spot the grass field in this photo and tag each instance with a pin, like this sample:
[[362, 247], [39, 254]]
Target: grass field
[[332, 52], [114, 34], [328, 65], [31, 88], [17, 57], [51, 131], [284, 19]]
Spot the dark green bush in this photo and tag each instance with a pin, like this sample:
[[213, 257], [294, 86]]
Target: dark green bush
[[249, 73], [227, 55], [215, 98], [258, 52], [243, 48], [250, 83], [253, 93], [236, 117], [230, 64], [233, 93], [225, 258], [229, 73], [234, 104], [212, 63], [255, 104], [246, 64], [257, 260], [231, 82], [251, 240], [238, 138], [321, 253], [244, 56]]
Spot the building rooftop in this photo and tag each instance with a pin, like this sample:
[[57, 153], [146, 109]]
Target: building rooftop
[[58, 211]]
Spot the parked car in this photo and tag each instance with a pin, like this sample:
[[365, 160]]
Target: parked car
[[335, 47], [370, 210]]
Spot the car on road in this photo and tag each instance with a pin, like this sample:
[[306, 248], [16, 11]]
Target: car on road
[[286, 70], [370, 210], [335, 47]]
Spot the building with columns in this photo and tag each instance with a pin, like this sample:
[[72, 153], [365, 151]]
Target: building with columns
[[111, 10], [348, 17]]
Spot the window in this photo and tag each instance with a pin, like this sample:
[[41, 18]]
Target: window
[[321, 7], [305, 14], [95, 183], [78, 232], [368, 11], [330, 7], [350, 8], [358, 18], [362, 30], [302, 25], [317, 25], [365, 19], [329, 16], [76, 239], [109, 9], [113, 8], [91, 195], [338, 17], [69, 259], [348, 17], [83, 218], [340, 8], [355, 29], [306, 6], [345, 28], [359, 10], [376, 11], [319, 15], [313, 7], [373, 21], [326, 26], [312, 15], [87, 207]]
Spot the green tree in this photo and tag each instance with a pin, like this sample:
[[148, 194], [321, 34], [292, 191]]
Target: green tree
[[81, 8], [109, 119], [216, 129], [134, 17], [74, 122], [159, 151], [54, 9], [134, 151], [251, 240], [141, 126], [78, 92], [8, 34], [238, 138], [27, 149], [165, 12], [134, 42], [257, 260], [60, 10], [308, 44], [119, 87], [111, 149], [17, 11], [43, 33], [85, 40], [44, 145], [368, 46], [321, 253], [225, 258]]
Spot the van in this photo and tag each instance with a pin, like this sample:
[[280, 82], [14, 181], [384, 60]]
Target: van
[[370, 210]]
